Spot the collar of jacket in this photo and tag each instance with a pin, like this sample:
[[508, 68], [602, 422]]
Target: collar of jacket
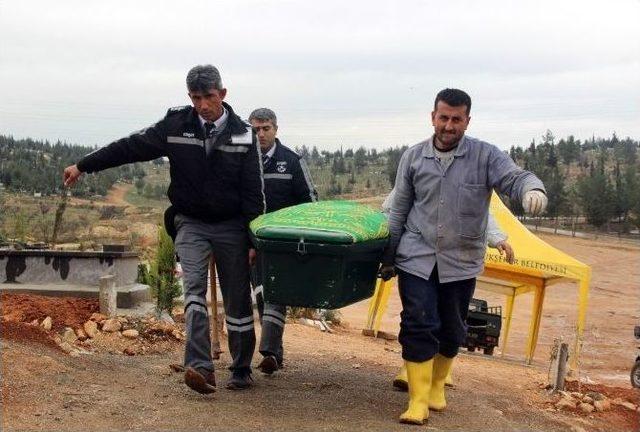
[[235, 125], [427, 148], [278, 153]]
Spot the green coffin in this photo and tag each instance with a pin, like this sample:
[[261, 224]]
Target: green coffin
[[319, 255], [341, 222]]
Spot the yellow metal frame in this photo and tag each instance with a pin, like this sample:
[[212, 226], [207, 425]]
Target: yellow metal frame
[[509, 285], [512, 284], [378, 305]]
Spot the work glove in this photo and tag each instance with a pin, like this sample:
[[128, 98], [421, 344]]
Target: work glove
[[386, 272], [534, 202]]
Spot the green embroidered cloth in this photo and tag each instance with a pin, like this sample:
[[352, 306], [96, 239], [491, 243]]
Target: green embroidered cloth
[[342, 222]]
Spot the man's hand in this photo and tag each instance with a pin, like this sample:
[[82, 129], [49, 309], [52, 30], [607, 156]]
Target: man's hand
[[534, 202], [71, 175], [505, 249], [386, 272], [252, 256]]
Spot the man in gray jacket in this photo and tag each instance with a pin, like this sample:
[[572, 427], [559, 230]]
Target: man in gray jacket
[[438, 223]]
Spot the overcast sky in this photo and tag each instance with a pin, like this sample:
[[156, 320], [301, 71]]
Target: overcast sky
[[337, 73]]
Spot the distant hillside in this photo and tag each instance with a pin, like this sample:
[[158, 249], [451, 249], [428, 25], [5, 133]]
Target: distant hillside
[[31, 166], [590, 184]]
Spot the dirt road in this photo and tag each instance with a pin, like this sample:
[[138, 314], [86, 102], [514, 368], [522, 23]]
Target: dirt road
[[331, 382], [116, 194]]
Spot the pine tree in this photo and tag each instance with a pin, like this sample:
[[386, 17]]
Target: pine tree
[[556, 193], [373, 155], [304, 152], [3, 211], [164, 285], [352, 177], [139, 184], [618, 192], [595, 195], [628, 195], [393, 159], [626, 151], [569, 150], [338, 166], [316, 159], [20, 226], [360, 159], [57, 222], [634, 194], [148, 191], [552, 158]]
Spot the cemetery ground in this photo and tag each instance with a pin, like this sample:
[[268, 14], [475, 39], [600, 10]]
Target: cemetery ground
[[122, 380]]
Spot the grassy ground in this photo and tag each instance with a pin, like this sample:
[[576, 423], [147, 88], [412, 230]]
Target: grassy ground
[[30, 219], [137, 200], [157, 176], [370, 181]]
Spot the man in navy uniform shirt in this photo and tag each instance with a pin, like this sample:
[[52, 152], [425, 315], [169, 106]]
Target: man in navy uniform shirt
[[286, 183]]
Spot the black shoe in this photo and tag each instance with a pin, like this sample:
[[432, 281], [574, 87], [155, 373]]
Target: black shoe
[[268, 365], [239, 381], [201, 381]]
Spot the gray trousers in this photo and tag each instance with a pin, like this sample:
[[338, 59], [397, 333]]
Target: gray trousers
[[272, 320], [229, 243]]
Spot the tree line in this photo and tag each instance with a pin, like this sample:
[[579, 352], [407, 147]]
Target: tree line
[[365, 172], [593, 181], [596, 179], [33, 166]]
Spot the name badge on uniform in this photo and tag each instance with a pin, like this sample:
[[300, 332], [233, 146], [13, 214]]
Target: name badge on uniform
[[281, 166]]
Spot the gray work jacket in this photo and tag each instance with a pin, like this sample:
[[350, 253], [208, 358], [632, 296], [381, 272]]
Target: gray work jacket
[[440, 216]]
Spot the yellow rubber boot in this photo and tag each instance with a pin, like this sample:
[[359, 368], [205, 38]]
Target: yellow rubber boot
[[448, 381], [441, 368], [419, 378], [401, 382]]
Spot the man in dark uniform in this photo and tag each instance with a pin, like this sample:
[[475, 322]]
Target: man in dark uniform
[[216, 190], [286, 182]]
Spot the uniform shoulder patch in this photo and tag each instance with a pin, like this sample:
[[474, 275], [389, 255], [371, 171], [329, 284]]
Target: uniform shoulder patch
[[177, 109], [244, 139], [290, 151]]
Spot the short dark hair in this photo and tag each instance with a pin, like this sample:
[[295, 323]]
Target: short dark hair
[[203, 78], [454, 98]]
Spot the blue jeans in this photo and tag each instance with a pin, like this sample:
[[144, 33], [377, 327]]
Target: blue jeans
[[433, 315]]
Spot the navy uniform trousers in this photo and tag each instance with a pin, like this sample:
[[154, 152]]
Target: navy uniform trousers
[[228, 241], [272, 319], [433, 317]]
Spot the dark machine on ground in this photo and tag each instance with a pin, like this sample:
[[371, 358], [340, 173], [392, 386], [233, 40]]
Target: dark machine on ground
[[635, 371], [484, 324]]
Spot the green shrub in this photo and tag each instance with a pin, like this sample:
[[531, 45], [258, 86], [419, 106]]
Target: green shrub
[[161, 277], [143, 274]]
